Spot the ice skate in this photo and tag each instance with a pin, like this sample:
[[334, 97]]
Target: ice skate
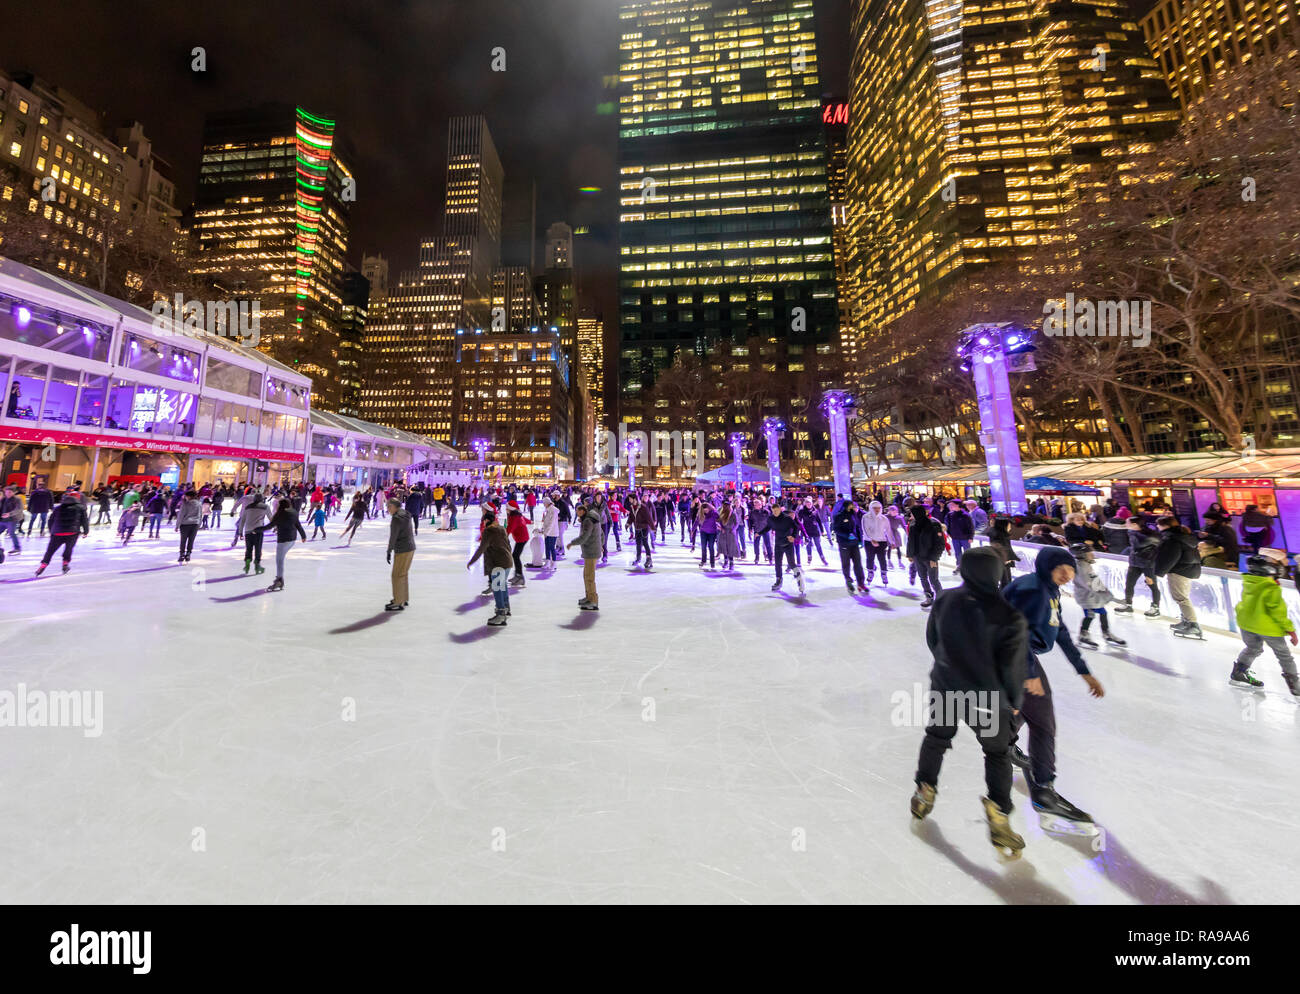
[[798, 577], [1018, 758], [40, 569], [497, 621], [259, 569], [776, 586], [67, 567], [1124, 608], [590, 607], [276, 584], [247, 566], [928, 602], [1152, 612], [1056, 814], [1292, 683], [1188, 630], [517, 581], [1003, 838], [849, 584], [923, 800], [1113, 639], [1246, 680], [1087, 640], [486, 591]]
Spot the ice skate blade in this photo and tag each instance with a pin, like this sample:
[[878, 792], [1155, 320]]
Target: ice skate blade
[[1247, 687], [1063, 826], [1186, 635], [1008, 852]]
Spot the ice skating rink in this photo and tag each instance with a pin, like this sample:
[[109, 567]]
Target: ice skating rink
[[700, 739]]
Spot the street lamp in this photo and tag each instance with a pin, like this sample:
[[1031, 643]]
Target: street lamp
[[988, 351], [737, 440], [774, 431], [839, 406]]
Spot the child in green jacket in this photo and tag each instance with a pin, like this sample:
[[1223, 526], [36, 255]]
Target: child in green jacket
[[1263, 619]]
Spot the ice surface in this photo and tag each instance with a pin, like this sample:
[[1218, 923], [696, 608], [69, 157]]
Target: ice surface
[[518, 765]]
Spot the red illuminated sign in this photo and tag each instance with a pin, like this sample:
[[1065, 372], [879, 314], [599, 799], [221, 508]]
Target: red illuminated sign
[[87, 440], [835, 114]]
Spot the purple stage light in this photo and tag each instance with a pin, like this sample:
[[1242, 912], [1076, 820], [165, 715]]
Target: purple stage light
[[24, 316]]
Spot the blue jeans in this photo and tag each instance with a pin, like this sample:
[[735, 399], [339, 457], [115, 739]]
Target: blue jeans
[[155, 524], [500, 583], [281, 550], [14, 530], [32, 522], [959, 547]]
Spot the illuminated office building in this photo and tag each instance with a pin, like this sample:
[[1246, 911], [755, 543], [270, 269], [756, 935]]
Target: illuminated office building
[[271, 223], [591, 357], [725, 220], [977, 124], [514, 302], [352, 327], [1196, 41], [410, 349], [835, 118]]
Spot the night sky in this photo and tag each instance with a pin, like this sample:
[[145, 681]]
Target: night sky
[[391, 73]]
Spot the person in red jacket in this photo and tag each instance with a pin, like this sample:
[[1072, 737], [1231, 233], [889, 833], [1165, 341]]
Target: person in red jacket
[[517, 529], [530, 498]]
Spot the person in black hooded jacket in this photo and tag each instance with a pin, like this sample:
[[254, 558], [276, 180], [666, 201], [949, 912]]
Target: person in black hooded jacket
[[1179, 563], [980, 645], [925, 545]]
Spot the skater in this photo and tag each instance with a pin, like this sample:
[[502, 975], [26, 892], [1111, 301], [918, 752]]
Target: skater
[[11, 517], [1091, 594], [287, 527], [847, 527], [787, 535], [494, 548], [758, 518], [187, 521], [729, 548], [155, 507], [642, 522], [961, 529], [707, 519], [127, 521], [925, 544], [1037, 596], [980, 644], [1263, 620], [999, 536], [401, 550], [811, 523], [251, 519], [876, 535], [415, 507], [1178, 561], [356, 514], [317, 515], [517, 528], [1141, 563], [39, 503], [589, 540], [550, 530], [68, 521]]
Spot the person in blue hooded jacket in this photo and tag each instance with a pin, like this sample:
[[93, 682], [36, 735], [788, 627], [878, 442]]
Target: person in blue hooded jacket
[[1037, 596]]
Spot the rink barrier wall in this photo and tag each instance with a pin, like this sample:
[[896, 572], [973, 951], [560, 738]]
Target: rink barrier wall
[[1215, 594]]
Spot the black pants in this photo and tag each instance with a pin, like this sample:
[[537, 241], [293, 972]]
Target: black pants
[[786, 551], [604, 540], [817, 541], [876, 554], [253, 547], [767, 546], [929, 578], [187, 539], [643, 544], [851, 555], [1130, 584], [708, 548], [1040, 716], [519, 562], [68, 542], [994, 739]]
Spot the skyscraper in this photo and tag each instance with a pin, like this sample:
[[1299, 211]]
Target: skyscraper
[[725, 221], [557, 290], [977, 124], [559, 246], [410, 351], [352, 327], [1195, 41], [271, 222], [591, 358]]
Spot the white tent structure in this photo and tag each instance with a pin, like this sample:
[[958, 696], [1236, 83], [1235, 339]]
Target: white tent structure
[[725, 474]]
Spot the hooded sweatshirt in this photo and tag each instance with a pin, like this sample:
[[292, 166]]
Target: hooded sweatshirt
[[1039, 600], [979, 641], [875, 526], [1262, 609], [925, 537]]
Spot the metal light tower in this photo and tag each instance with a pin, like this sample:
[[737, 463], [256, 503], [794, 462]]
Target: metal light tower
[[988, 351], [774, 431], [633, 449], [737, 440], [480, 447], [839, 406]]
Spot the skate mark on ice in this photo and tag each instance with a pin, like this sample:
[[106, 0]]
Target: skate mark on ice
[[1153, 665], [151, 569], [364, 623], [1019, 884]]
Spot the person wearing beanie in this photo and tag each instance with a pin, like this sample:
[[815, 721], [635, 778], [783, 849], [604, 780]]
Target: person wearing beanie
[[925, 545], [1263, 620]]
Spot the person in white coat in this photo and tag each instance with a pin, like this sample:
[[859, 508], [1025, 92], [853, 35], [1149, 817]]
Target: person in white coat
[[877, 538], [550, 529]]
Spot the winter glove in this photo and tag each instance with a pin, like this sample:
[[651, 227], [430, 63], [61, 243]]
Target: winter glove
[[390, 558]]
